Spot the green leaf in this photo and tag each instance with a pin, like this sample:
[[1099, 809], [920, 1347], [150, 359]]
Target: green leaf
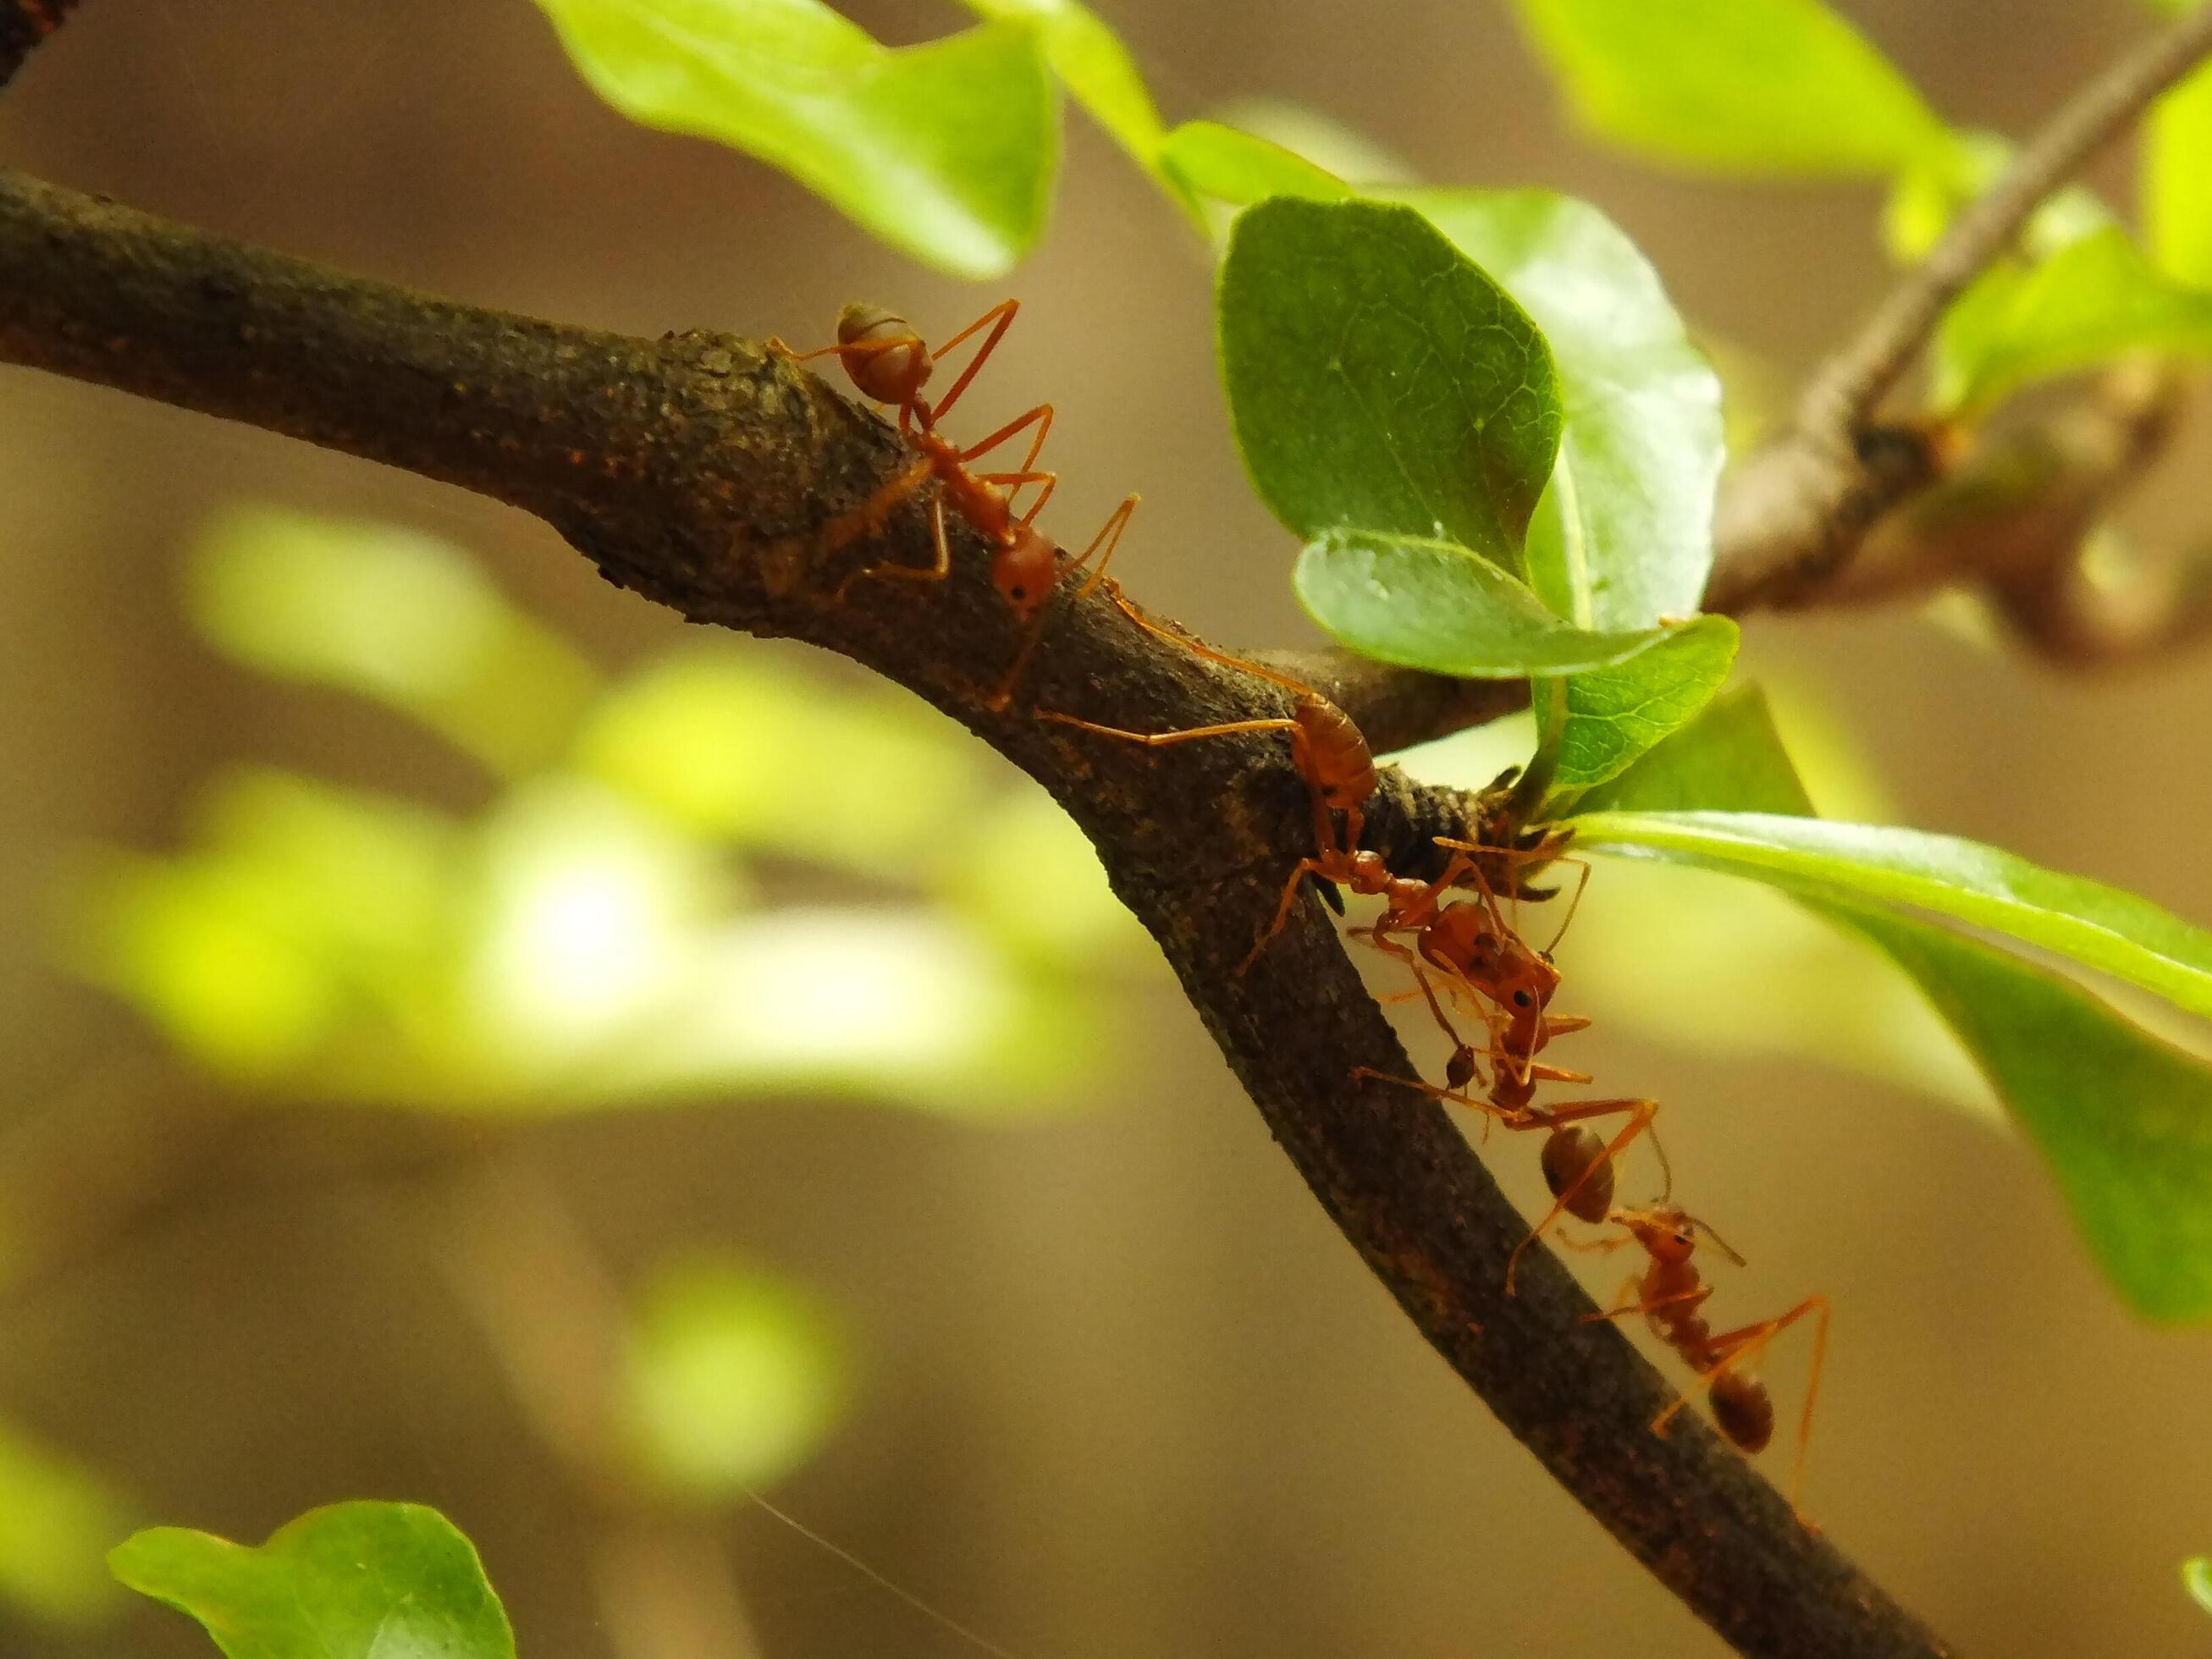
[[1615, 716], [1744, 88], [1624, 535], [946, 149], [355, 1580], [2100, 926], [1434, 605], [732, 1378], [1091, 62], [2177, 181], [1212, 159], [2092, 301], [1730, 758], [2196, 1579], [1380, 381], [56, 1520], [2123, 1120], [390, 614]]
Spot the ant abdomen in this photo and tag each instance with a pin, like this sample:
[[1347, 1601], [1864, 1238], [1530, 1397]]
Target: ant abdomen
[[1743, 1410], [1574, 1154], [881, 353]]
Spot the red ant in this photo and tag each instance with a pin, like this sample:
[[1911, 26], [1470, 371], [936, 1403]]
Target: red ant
[[889, 362], [1326, 748], [1671, 1293]]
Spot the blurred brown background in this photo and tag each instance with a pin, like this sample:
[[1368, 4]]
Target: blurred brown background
[[1123, 1390]]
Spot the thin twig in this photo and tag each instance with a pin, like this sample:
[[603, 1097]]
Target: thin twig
[[1841, 395], [697, 470]]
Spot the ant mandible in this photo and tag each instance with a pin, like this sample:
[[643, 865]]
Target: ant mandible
[[889, 362]]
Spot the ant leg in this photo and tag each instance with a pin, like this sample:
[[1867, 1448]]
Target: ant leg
[[1640, 1113], [1040, 417], [1630, 1310], [1573, 904], [1305, 868], [1747, 1344], [1162, 739], [1003, 315], [1198, 648], [1438, 1091], [1110, 535], [935, 572]]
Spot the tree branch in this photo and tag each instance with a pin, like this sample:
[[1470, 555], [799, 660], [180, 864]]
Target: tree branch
[[1796, 510], [23, 24], [697, 469]]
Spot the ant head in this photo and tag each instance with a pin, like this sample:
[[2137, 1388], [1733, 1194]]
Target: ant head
[[1025, 571]]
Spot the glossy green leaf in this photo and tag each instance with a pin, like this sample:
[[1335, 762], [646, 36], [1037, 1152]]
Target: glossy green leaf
[[2177, 181], [1434, 605], [731, 1378], [1211, 159], [1730, 759], [946, 149], [1745, 87], [2197, 1580], [1623, 534], [56, 1520], [390, 614], [355, 1580], [1614, 716], [1094, 65], [2094, 301], [2100, 926], [2123, 1120], [1380, 381]]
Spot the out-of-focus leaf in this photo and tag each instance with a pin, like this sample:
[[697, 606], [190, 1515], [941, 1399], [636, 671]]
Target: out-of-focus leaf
[[589, 917], [947, 149], [1314, 136], [731, 1378], [1092, 63], [726, 745], [1380, 381], [1623, 534], [1745, 87], [2177, 181], [1931, 192], [1616, 715], [1215, 161], [1024, 873], [388, 614], [297, 908], [355, 1580], [2197, 1580], [2094, 301], [2102, 927], [2123, 1120], [887, 1005], [58, 1521], [1435, 605], [189, 945]]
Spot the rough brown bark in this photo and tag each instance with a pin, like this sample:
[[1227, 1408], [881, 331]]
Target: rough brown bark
[[696, 469]]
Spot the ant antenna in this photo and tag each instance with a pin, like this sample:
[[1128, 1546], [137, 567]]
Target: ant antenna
[[1722, 1244]]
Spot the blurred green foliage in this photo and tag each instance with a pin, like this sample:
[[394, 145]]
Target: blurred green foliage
[[596, 935], [56, 1518]]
